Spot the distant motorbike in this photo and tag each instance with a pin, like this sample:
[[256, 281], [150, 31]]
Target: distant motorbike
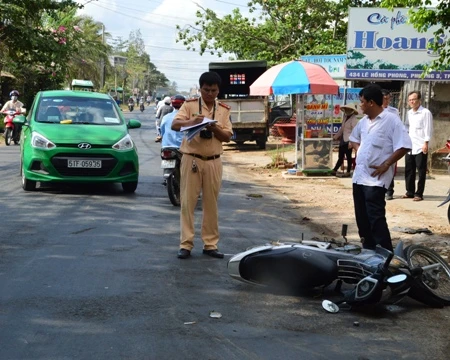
[[170, 163], [11, 132], [375, 276], [141, 107], [130, 106]]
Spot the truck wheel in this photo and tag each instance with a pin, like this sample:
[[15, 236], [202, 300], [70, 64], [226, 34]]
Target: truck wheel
[[261, 144]]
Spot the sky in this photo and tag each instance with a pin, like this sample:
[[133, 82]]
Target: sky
[[157, 20]]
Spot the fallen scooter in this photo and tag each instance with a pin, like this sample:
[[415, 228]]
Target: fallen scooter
[[376, 276], [170, 163]]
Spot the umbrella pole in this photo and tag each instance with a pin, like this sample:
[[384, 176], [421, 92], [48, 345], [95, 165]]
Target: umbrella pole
[[298, 123]]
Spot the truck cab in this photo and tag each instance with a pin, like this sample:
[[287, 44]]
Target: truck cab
[[249, 114]]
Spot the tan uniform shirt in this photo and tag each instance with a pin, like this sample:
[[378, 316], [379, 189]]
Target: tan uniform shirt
[[198, 145]]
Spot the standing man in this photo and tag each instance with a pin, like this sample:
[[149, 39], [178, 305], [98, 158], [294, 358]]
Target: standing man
[[380, 139], [393, 110], [201, 165], [420, 122]]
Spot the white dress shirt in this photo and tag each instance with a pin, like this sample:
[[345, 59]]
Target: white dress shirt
[[420, 128], [378, 139]]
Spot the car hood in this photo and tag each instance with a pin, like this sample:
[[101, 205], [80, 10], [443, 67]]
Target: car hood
[[70, 133]]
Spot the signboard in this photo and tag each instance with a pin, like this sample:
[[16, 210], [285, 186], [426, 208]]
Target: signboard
[[333, 64], [323, 115], [382, 45]]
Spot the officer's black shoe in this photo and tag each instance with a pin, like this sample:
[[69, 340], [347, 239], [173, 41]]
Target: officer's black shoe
[[213, 253], [183, 254]]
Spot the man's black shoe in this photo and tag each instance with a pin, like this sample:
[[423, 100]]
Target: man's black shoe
[[213, 253], [183, 254]]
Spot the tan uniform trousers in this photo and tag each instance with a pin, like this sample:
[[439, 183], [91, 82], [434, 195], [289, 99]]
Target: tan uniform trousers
[[207, 180]]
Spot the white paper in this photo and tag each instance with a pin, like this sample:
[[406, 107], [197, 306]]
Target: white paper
[[205, 122]]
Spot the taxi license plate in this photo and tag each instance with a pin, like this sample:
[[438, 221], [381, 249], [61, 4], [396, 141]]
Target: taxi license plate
[[168, 164], [86, 164]]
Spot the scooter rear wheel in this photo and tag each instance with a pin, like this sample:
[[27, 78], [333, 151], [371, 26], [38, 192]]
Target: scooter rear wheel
[[173, 188], [435, 281]]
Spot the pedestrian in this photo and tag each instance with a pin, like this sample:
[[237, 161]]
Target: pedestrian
[[160, 113], [393, 110], [420, 122], [380, 140], [201, 165], [349, 121], [172, 138]]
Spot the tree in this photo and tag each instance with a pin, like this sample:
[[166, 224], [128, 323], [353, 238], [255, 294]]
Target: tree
[[280, 30], [422, 17]]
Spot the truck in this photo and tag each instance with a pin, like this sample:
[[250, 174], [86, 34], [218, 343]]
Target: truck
[[249, 114]]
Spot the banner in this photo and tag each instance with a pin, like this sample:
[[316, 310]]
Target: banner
[[382, 45]]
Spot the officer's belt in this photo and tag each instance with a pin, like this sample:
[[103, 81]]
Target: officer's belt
[[205, 157]]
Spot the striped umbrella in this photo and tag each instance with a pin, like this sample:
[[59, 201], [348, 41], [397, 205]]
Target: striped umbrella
[[294, 77]]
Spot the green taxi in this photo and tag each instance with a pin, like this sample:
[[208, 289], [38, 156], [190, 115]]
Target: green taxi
[[77, 137]]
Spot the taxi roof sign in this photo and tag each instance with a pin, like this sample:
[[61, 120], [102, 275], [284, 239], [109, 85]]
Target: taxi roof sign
[[82, 85]]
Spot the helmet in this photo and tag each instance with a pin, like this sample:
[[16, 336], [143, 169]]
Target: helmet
[[177, 101], [14, 92], [167, 100]]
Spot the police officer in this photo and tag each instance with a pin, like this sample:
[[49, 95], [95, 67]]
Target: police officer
[[201, 165]]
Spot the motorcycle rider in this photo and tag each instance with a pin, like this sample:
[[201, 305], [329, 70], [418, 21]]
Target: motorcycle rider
[[172, 138], [16, 105], [130, 102], [163, 110], [141, 103]]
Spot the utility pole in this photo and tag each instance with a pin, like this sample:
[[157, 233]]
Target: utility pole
[[102, 62]]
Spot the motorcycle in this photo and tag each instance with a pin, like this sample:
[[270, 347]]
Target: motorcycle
[[447, 200], [130, 106], [11, 132], [141, 107], [170, 163], [374, 276]]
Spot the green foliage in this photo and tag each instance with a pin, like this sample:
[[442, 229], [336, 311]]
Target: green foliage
[[280, 30], [422, 17]]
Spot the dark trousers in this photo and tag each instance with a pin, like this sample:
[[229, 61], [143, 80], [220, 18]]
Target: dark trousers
[[370, 213], [344, 151], [413, 162]]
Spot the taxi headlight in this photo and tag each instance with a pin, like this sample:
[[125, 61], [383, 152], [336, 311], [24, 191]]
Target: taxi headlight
[[124, 144], [40, 142]]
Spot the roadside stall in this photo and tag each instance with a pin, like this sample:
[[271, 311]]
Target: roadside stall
[[313, 130]]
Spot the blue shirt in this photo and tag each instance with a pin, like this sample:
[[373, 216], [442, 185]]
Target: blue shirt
[[170, 138]]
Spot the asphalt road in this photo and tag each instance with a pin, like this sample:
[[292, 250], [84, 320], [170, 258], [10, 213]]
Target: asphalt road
[[91, 273]]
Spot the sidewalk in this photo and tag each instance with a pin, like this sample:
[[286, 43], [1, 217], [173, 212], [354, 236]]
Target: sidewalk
[[436, 188], [326, 202]]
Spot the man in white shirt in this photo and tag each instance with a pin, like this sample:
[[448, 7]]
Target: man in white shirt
[[380, 140], [420, 122], [393, 110]]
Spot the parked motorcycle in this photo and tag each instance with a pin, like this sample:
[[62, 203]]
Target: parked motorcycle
[[375, 276], [170, 163], [11, 132]]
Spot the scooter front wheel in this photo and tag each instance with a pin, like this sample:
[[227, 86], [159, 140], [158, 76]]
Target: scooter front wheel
[[436, 279], [8, 136]]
